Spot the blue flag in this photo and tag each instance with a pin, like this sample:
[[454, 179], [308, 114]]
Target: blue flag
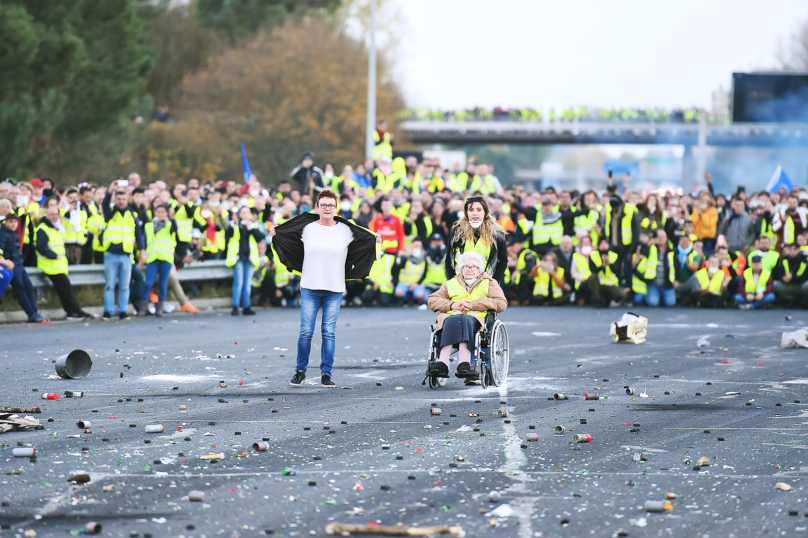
[[247, 172], [779, 179]]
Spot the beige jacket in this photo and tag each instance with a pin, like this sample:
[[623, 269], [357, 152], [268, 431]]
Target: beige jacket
[[440, 301]]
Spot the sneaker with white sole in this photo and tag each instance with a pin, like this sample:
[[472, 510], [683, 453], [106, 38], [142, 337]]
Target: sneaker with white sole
[[298, 379], [326, 381]]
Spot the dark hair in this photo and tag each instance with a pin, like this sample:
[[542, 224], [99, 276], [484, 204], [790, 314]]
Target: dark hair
[[84, 189], [71, 190], [139, 190], [327, 193], [120, 192]]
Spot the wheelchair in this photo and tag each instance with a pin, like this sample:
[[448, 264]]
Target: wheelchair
[[489, 362]]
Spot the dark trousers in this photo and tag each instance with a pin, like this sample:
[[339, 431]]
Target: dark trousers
[[24, 290], [65, 292], [73, 254], [601, 295], [87, 251], [353, 288], [551, 301], [369, 296], [137, 286], [624, 263]]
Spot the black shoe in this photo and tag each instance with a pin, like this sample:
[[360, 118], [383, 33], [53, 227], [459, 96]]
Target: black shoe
[[438, 369], [107, 315], [248, 311], [299, 379], [474, 380], [326, 381], [234, 312], [123, 315], [463, 370]]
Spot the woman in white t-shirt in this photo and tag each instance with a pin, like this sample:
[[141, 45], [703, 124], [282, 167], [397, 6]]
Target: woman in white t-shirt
[[325, 256]]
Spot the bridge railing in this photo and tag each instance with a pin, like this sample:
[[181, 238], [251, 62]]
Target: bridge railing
[[93, 275]]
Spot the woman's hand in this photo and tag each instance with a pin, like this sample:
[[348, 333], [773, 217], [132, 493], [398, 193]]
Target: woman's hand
[[271, 231], [463, 306], [378, 238]]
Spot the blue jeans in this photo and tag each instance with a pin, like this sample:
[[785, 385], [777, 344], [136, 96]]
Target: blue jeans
[[156, 267], [24, 290], [654, 294], [5, 279], [242, 282], [740, 298], [117, 270], [419, 294], [310, 303]]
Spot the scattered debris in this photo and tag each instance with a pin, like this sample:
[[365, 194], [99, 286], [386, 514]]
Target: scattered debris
[[196, 496], [399, 388], [703, 342], [155, 428], [630, 391], [532, 437], [24, 452], [74, 365], [795, 339], [502, 413], [657, 506], [582, 438], [559, 396], [108, 488], [261, 447], [644, 394], [49, 396], [782, 486], [20, 410], [346, 529], [11, 422], [79, 478], [218, 456], [703, 462], [559, 430], [631, 329], [436, 411]]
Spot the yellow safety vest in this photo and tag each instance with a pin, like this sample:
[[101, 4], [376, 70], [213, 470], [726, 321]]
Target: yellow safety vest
[[480, 247], [769, 260], [282, 274], [585, 222], [788, 231], [383, 146], [606, 277], [233, 247], [457, 292], [161, 246], [483, 185], [72, 235], [749, 280], [547, 233], [121, 230], [542, 283], [385, 278], [625, 223], [521, 263], [56, 242], [436, 184], [582, 263], [411, 273], [435, 272], [185, 223], [800, 269], [648, 269], [459, 182], [712, 284]]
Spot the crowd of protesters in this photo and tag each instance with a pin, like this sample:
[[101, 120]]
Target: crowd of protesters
[[618, 247]]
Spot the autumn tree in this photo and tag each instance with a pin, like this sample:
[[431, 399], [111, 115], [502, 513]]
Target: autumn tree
[[301, 87]]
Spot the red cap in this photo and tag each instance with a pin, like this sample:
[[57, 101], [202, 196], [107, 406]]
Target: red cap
[[243, 189], [36, 182]]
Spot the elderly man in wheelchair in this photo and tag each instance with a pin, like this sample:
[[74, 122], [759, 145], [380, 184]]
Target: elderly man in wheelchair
[[467, 306]]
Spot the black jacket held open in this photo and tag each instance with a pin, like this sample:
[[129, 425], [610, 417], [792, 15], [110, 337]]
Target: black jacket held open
[[289, 246]]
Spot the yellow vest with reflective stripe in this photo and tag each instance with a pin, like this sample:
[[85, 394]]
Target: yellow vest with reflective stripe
[[480, 247], [749, 281], [648, 269], [233, 247], [547, 233], [625, 224], [582, 263], [121, 229], [800, 269], [712, 284], [542, 283], [282, 274], [585, 222], [769, 259], [457, 292], [484, 185], [185, 223], [385, 278], [56, 243], [72, 235], [521, 264], [459, 182], [435, 272], [411, 273], [788, 231], [382, 145], [161, 246], [607, 276]]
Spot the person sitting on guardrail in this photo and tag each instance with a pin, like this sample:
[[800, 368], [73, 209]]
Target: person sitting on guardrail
[[11, 259], [463, 302]]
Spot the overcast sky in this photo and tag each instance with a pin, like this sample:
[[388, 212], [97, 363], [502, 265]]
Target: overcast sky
[[619, 53]]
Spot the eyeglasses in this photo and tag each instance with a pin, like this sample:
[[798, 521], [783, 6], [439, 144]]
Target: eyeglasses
[[328, 206], [475, 199], [469, 268]]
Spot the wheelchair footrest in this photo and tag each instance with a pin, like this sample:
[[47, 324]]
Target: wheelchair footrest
[[468, 375]]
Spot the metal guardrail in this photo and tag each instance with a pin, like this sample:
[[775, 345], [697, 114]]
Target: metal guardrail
[[93, 275]]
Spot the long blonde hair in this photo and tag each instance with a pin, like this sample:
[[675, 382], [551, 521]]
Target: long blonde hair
[[488, 229]]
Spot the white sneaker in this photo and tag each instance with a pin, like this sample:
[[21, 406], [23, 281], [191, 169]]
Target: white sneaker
[[423, 307], [168, 308], [151, 308], [357, 301]]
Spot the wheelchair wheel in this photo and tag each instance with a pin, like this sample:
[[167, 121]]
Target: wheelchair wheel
[[500, 357]]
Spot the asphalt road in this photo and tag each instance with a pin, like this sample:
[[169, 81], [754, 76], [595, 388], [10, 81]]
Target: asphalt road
[[370, 452]]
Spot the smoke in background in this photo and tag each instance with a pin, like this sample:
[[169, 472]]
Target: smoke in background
[[753, 167]]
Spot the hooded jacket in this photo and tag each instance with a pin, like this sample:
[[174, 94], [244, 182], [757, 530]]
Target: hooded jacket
[[441, 301], [288, 242]]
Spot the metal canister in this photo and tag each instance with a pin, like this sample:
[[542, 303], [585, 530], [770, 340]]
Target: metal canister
[[83, 424], [559, 396], [24, 452], [630, 391], [93, 527], [657, 506], [155, 428], [74, 394], [560, 429], [49, 396], [260, 447], [435, 411], [196, 496], [582, 438], [594, 396], [532, 437]]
